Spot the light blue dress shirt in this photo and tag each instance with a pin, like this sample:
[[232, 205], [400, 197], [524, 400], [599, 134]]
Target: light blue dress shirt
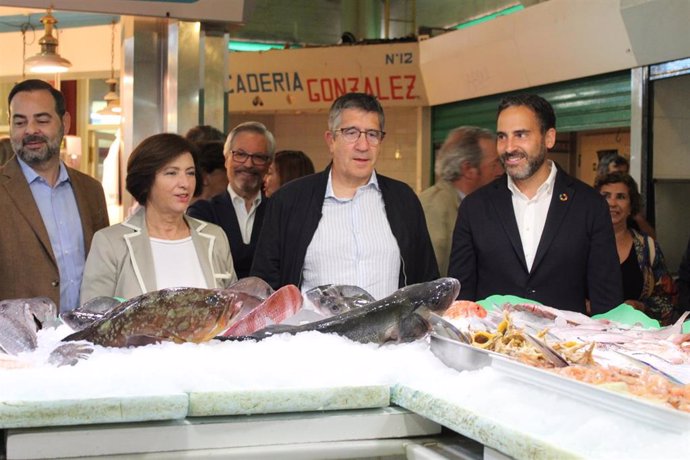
[[354, 244], [58, 208]]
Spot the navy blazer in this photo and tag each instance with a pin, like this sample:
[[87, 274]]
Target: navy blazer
[[220, 211], [576, 258]]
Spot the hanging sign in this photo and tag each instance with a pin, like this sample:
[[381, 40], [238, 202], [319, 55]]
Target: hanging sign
[[312, 78]]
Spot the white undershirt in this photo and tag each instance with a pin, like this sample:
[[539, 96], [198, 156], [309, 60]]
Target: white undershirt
[[245, 218], [176, 264], [530, 215]]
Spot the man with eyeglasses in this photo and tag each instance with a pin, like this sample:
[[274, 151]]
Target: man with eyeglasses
[[347, 224], [239, 211]]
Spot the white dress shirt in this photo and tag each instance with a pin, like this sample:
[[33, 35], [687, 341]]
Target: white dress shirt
[[530, 214], [245, 218], [354, 244]]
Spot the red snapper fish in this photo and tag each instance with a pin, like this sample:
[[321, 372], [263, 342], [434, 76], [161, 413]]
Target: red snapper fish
[[279, 306], [464, 309]]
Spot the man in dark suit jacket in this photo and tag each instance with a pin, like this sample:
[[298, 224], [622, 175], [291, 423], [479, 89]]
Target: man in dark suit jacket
[[47, 223], [535, 232], [239, 211]]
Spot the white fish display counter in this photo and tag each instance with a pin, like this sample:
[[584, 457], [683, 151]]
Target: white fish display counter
[[300, 390]]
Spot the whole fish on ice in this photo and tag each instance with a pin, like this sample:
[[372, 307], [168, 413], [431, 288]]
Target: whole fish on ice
[[20, 320], [334, 299], [175, 314], [400, 317]]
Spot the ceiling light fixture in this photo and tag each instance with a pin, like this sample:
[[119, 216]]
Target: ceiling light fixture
[[111, 98], [48, 60]]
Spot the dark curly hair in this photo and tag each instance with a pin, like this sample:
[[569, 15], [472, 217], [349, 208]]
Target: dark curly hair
[[621, 178], [152, 154]]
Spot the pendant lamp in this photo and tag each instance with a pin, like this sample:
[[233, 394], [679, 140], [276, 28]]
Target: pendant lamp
[[48, 60], [111, 98]]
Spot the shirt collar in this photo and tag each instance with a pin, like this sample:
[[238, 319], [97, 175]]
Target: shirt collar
[[373, 183], [546, 187], [235, 197], [31, 175]]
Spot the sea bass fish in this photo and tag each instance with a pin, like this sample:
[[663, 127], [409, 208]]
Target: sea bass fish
[[20, 320], [400, 317], [334, 299], [282, 304], [176, 314]]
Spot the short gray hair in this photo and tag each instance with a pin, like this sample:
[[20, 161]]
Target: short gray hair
[[461, 145], [254, 127], [358, 101]]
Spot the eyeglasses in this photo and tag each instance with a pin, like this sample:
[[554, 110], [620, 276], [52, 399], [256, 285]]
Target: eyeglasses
[[352, 135], [240, 156]]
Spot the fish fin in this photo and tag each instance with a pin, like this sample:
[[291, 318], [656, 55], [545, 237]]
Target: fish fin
[[412, 328]]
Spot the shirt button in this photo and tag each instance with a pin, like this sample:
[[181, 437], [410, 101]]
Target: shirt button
[[55, 283]]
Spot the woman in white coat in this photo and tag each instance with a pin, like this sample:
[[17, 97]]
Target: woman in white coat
[[159, 246]]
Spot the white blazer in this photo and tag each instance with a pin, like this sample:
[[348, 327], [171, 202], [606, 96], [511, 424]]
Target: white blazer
[[120, 262]]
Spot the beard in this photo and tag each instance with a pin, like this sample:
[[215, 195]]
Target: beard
[[249, 184], [50, 149], [524, 171]]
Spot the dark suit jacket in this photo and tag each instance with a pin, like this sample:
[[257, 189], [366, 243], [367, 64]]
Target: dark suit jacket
[[220, 211], [576, 258], [293, 216], [27, 264]]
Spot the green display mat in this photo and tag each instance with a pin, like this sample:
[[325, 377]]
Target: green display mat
[[623, 313]]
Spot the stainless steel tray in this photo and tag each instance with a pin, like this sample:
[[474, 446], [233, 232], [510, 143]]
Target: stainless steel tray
[[627, 405], [458, 355]]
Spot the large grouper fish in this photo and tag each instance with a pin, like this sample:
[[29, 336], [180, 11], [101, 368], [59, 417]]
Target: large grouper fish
[[174, 314], [401, 317]]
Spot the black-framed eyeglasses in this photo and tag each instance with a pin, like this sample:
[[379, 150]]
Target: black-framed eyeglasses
[[352, 135], [258, 159]]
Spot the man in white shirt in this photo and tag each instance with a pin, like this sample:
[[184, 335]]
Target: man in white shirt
[[239, 211], [347, 224], [535, 232], [49, 211]]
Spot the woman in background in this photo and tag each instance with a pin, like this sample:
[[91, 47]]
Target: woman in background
[[159, 246], [647, 284], [214, 177], [287, 165]]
